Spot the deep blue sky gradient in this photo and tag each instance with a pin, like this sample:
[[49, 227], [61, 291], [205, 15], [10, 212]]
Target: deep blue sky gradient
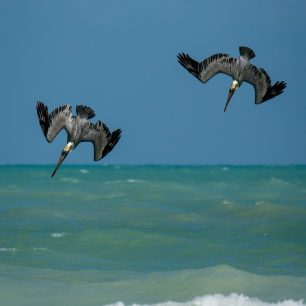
[[119, 57]]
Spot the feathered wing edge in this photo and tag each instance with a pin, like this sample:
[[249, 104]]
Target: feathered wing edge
[[272, 90], [85, 112], [190, 64], [51, 124], [205, 70], [247, 52], [264, 90], [43, 117], [112, 141], [103, 140]]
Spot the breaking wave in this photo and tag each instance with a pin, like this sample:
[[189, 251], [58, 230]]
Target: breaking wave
[[233, 299]]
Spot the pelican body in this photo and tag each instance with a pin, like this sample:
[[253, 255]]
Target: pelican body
[[78, 129], [240, 69]]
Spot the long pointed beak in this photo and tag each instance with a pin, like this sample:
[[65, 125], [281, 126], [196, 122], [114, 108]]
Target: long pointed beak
[[230, 94], [61, 159]]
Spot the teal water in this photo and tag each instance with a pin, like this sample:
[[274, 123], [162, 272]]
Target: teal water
[[198, 235]]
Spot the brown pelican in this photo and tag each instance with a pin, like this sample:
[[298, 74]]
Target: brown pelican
[[78, 130], [239, 69]]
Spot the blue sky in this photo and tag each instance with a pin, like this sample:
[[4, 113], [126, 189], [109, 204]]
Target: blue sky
[[119, 57]]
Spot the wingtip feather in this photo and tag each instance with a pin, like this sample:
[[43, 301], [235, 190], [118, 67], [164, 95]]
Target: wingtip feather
[[113, 140]]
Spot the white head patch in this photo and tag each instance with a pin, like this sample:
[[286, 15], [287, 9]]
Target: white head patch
[[235, 84], [68, 147]]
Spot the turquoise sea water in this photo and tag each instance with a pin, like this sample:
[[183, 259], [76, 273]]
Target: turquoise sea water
[[194, 235]]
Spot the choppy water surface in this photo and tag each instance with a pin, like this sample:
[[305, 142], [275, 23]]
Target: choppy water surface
[[195, 235]]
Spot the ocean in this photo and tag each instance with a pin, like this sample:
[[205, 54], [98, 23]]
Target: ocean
[[153, 235]]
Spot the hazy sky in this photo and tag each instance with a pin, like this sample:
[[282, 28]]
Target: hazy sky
[[119, 57]]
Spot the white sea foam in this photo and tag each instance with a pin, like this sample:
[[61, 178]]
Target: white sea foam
[[260, 202], [278, 181], [133, 181], [113, 182], [70, 180], [227, 203], [8, 250], [130, 181], [40, 250], [84, 171], [57, 235], [225, 168], [221, 300], [62, 216]]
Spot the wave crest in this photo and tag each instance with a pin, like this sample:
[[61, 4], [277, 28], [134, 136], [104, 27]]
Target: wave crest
[[233, 299]]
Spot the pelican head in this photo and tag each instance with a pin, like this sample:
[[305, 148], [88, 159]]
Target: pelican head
[[233, 88], [66, 150]]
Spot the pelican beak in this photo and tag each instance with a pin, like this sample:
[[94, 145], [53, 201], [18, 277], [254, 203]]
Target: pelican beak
[[61, 159], [230, 93]]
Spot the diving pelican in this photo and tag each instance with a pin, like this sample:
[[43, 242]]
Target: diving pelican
[[78, 129], [240, 69]]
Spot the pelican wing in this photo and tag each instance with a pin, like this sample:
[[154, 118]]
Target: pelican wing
[[103, 140], [51, 124], [261, 81], [205, 70]]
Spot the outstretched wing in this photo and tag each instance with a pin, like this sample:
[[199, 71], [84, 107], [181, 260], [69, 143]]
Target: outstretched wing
[[51, 124], [205, 70], [261, 81], [103, 140]]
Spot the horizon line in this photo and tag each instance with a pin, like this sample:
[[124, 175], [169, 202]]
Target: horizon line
[[154, 164]]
